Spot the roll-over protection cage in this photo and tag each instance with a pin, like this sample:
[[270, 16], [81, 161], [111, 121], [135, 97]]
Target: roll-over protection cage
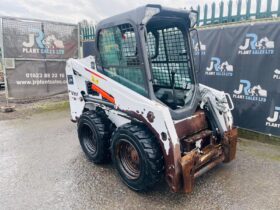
[[148, 48]]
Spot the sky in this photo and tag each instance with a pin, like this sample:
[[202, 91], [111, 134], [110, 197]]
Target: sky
[[73, 11]]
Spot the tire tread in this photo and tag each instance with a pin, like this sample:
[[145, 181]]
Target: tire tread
[[151, 146], [103, 134]]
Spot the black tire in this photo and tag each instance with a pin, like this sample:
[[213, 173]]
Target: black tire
[[94, 138], [150, 160]]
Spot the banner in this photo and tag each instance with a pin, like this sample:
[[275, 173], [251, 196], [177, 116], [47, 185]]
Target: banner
[[36, 52], [41, 40], [88, 48], [36, 78], [243, 60]]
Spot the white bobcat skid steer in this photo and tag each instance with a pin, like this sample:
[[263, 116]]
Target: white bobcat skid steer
[[139, 102]]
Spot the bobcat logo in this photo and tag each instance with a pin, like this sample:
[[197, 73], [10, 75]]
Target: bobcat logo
[[252, 46], [272, 121], [38, 43], [219, 69], [245, 91]]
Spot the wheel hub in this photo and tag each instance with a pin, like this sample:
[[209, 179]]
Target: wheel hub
[[89, 140], [134, 156], [129, 159]]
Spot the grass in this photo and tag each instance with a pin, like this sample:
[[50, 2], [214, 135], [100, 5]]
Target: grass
[[252, 135], [51, 106], [267, 151]]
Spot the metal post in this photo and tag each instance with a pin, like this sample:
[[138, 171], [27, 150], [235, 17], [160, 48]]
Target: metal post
[[221, 11], [45, 57], [229, 10], [248, 9], [268, 8], [239, 6], [258, 9], [92, 32], [205, 14], [213, 12], [3, 62], [79, 40], [278, 12], [198, 15]]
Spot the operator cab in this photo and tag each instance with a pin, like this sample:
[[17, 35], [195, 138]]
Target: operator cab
[[170, 59], [149, 51]]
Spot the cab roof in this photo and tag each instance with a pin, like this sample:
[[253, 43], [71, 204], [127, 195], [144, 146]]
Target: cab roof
[[137, 15]]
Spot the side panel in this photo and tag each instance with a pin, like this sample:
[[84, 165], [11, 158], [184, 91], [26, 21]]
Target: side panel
[[153, 114]]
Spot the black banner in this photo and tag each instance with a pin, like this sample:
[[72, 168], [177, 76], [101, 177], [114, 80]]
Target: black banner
[[36, 52], [40, 40], [88, 48], [243, 60], [36, 78]]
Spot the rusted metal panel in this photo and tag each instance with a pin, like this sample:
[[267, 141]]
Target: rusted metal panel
[[150, 116], [209, 166], [191, 125], [200, 135], [180, 172], [208, 153], [188, 169], [229, 144], [196, 163]]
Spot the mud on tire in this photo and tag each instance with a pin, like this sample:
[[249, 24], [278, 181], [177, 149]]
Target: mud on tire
[[137, 156]]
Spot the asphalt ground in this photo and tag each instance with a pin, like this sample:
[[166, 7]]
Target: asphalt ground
[[43, 167]]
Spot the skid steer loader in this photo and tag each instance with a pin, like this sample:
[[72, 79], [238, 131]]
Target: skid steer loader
[[138, 102]]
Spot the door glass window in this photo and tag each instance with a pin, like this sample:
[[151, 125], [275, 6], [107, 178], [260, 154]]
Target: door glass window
[[119, 57]]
